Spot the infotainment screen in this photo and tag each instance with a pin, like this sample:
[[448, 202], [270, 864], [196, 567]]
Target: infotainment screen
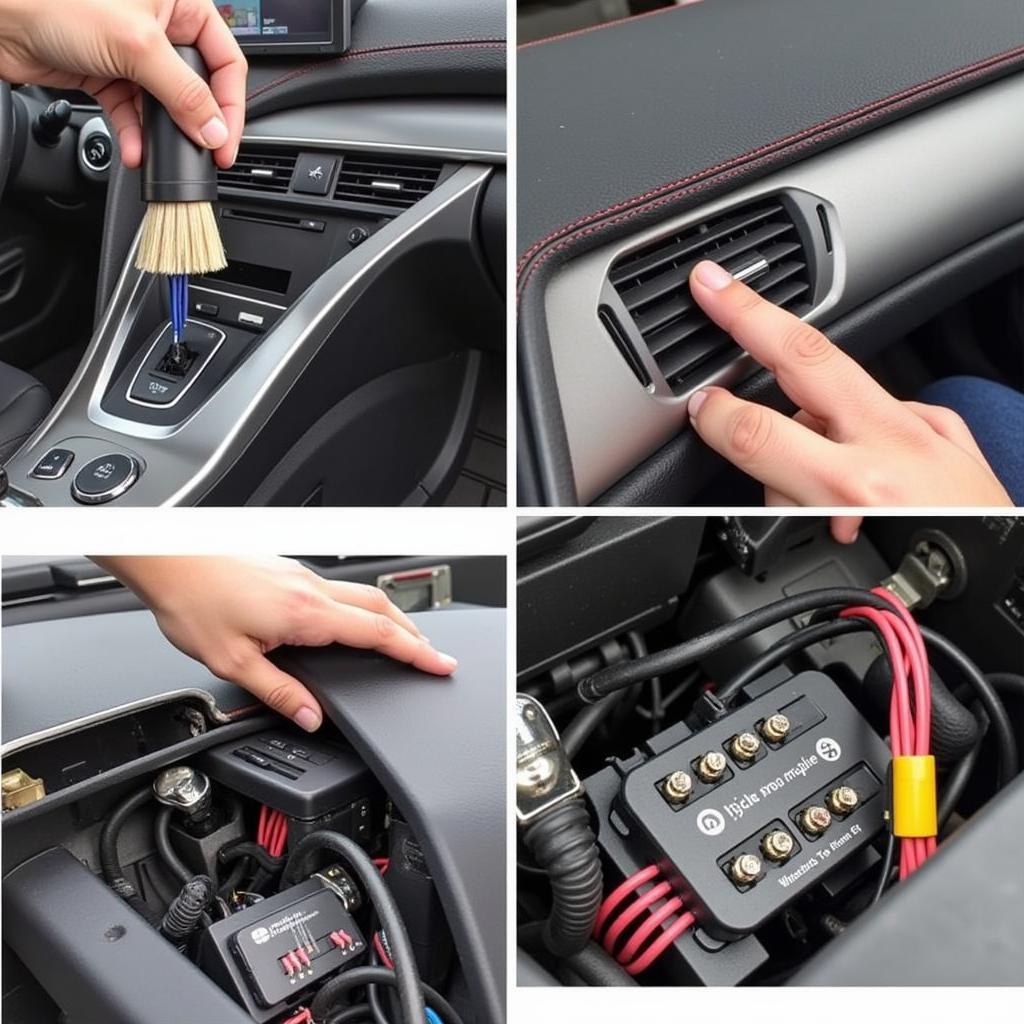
[[290, 26]]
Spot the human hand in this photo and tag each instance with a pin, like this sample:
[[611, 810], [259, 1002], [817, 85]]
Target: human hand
[[109, 48], [851, 443], [229, 613]]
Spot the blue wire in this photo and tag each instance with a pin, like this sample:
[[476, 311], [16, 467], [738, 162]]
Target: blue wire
[[179, 304], [432, 1017]]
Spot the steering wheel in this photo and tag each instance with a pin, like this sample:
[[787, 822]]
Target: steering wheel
[[6, 133]]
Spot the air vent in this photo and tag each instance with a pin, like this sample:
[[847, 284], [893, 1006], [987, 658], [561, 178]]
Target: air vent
[[392, 181], [760, 244], [264, 170]]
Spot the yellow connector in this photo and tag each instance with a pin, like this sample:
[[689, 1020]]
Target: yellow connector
[[913, 797]]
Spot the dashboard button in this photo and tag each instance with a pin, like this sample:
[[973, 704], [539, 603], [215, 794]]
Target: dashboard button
[[104, 479], [97, 149], [314, 174], [155, 389], [53, 465]]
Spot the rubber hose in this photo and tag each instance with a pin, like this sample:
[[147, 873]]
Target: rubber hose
[[1002, 730], [591, 963], [617, 677], [563, 844], [187, 909], [954, 729], [410, 997], [1007, 682], [322, 1007], [163, 845], [109, 859], [246, 848]]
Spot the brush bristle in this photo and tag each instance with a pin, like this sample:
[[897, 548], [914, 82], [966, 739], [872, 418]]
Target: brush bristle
[[180, 238]]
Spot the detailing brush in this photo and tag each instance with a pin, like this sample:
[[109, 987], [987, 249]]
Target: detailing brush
[[179, 185]]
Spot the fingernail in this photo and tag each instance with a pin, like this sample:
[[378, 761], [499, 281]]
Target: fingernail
[[214, 133], [712, 276], [697, 399], [308, 719], [447, 660], [854, 536]]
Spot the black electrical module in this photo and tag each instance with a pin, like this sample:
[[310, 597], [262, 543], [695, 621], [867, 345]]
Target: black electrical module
[[750, 812], [269, 953]]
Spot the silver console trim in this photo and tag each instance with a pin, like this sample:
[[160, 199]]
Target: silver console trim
[[102, 497], [206, 443], [232, 295], [184, 391]]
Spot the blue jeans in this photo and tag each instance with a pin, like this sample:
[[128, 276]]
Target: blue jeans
[[995, 414]]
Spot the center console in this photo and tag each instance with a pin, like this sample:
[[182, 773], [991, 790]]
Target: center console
[[333, 282]]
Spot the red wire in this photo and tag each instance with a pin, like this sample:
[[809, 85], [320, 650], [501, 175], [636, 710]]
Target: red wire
[[261, 831], [382, 952], [620, 892], [280, 836], [382, 863], [660, 944], [632, 912], [645, 930]]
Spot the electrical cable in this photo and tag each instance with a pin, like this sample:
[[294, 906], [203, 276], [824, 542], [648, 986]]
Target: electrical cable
[[632, 912], [162, 833], [888, 859], [1007, 682], [625, 674], [356, 977], [656, 948], [110, 861], [999, 720], [651, 925], [620, 892], [245, 848], [407, 980]]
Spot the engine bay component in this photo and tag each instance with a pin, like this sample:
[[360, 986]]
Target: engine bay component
[[544, 776], [19, 789], [715, 841], [268, 954]]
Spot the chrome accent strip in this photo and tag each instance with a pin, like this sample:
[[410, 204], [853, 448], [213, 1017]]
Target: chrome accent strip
[[377, 147], [102, 497], [230, 295], [117, 712]]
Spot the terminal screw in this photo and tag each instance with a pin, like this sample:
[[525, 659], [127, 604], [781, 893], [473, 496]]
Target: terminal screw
[[777, 845], [843, 800], [815, 820], [678, 786], [745, 746], [745, 868], [711, 767], [775, 728]]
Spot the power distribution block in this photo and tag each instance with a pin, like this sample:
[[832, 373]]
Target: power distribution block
[[755, 809]]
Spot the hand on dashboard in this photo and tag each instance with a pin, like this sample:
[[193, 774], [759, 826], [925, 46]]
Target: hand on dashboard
[[228, 613], [851, 443], [112, 48]]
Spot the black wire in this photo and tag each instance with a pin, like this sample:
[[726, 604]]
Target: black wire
[[356, 977], [410, 996], [1007, 682], [109, 859], [785, 648], [164, 848], [617, 677], [956, 781], [888, 860], [1002, 730], [351, 1014]]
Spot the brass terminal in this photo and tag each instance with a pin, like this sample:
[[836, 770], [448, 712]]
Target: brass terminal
[[745, 869], [678, 787], [775, 728], [745, 746], [777, 845], [843, 800], [815, 820], [711, 767], [19, 789]]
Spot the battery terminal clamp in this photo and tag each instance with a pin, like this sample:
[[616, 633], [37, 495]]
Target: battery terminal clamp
[[544, 776]]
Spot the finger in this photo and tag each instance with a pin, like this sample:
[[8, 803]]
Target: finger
[[776, 499], [372, 599], [815, 374], [228, 72], [278, 690], [805, 419], [949, 425], [117, 98], [183, 93], [369, 630], [772, 448], [845, 528]]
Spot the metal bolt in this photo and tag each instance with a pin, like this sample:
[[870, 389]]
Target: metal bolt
[[711, 767], [815, 820], [775, 728], [777, 845], [745, 868], [843, 799], [678, 786], [745, 746]]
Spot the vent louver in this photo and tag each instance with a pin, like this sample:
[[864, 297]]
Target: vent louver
[[395, 182], [760, 244], [265, 170]]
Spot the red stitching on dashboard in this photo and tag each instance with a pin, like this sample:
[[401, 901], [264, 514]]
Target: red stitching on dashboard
[[798, 140], [463, 44]]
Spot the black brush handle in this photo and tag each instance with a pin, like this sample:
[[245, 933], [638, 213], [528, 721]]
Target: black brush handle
[[174, 168]]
